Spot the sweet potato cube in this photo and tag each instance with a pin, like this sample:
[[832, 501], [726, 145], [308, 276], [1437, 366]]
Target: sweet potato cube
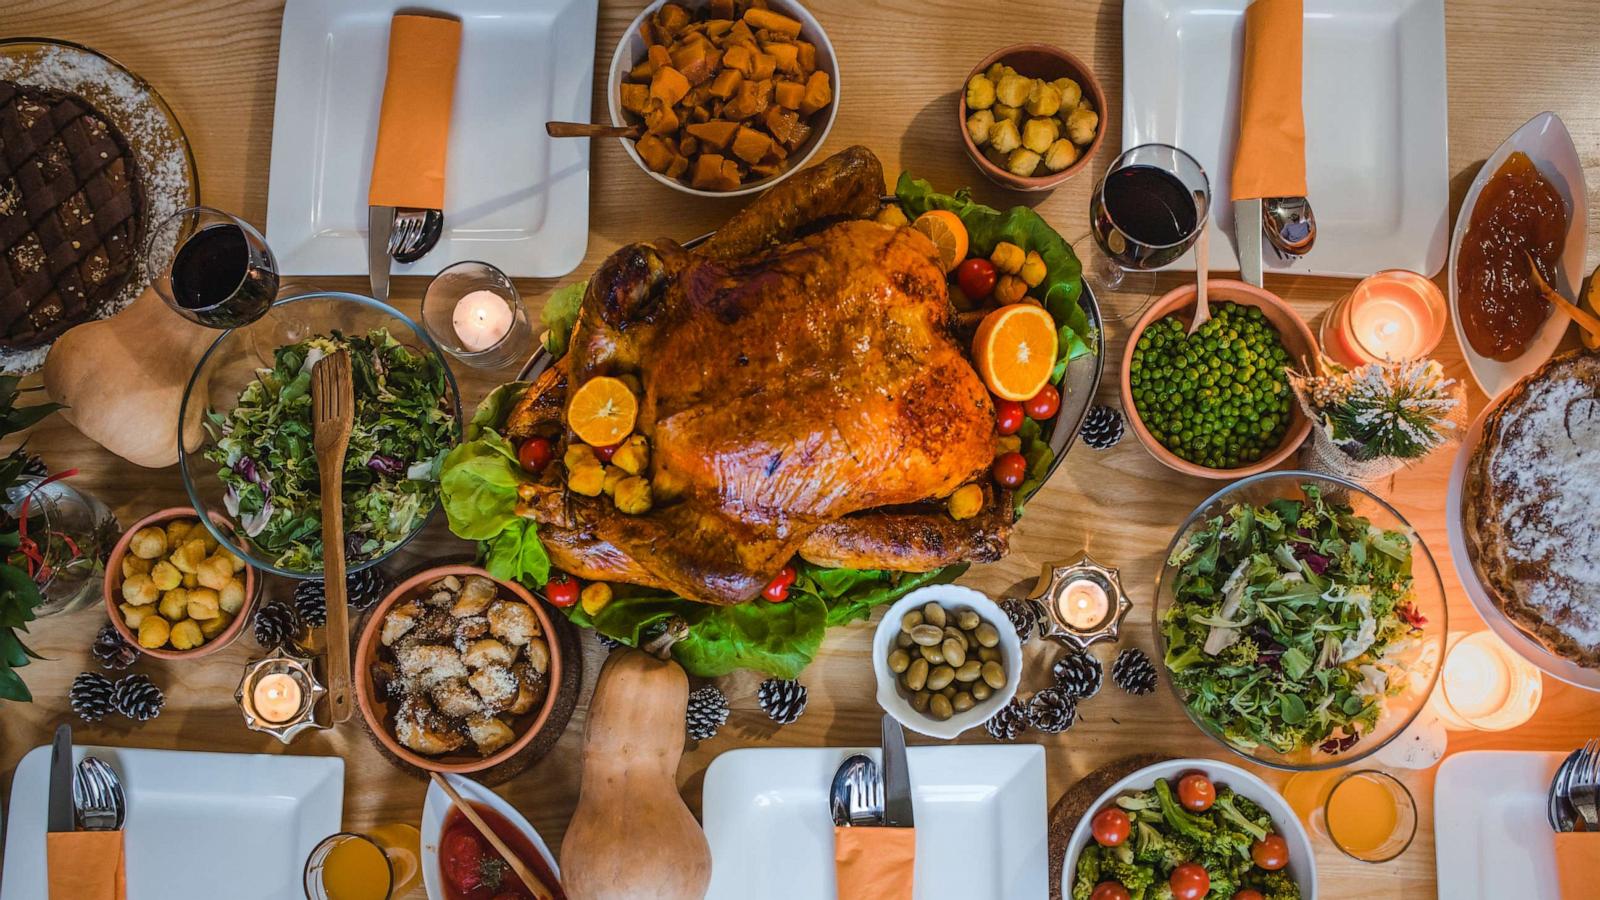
[[658, 57], [715, 134], [668, 85], [776, 22], [786, 127], [656, 153], [766, 170], [636, 98], [696, 60], [672, 18], [819, 93], [720, 9], [678, 166], [765, 66], [727, 83], [713, 172], [752, 100], [716, 28], [751, 145], [740, 58], [740, 33], [643, 69], [808, 56], [787, 94], [660, 119], [787, 56]]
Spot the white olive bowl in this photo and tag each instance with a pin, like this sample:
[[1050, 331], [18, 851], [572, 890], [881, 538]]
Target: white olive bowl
[[952, 597]]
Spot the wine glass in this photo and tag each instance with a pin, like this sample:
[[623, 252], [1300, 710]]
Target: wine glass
[[1144, 214], [211, 267]]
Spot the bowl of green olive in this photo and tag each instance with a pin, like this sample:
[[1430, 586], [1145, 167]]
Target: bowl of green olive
[[947, 659]]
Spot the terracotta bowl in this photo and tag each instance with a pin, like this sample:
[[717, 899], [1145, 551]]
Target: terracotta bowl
[[113, 589], [1292, 330], [375, 708], [1035, 61]]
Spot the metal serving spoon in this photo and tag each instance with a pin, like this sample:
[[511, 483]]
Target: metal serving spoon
[[1289, 224]]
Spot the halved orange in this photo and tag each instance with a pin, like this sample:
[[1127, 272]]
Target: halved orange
[[944, 228], [602, 411], [1014, 350]]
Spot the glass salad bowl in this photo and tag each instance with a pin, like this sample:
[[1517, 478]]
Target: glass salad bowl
[[1357, 656], [257, 466]]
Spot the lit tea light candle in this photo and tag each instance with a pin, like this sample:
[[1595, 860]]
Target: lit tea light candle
[[1082, 601], [1486, 686], [278, 694], [277, 697], [1084, 604], [481, 319], [1394, 315]]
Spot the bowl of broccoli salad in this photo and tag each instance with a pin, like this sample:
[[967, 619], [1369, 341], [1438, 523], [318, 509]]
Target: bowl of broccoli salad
[[1185, 830]]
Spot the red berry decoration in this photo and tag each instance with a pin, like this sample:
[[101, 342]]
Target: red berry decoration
[[777, 590], [535, 454], [562, 590], [1044, 404], [976, 277], [605, 453], [1010, 469], [1007, 416]]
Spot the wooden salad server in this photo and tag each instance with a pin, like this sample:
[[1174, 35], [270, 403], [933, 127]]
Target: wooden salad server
[[332, 414], [584, 129]]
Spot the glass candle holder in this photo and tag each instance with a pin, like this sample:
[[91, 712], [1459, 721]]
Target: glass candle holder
[[1083, 601], [66, 536], [1486, 686], [474, 312], [1393, 315], [278, 695]]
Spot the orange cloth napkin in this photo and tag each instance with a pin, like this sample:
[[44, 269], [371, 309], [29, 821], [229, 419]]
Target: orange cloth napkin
[[1578, 865], [414, 126], [85, 865], [874, 863], [1270, 160]]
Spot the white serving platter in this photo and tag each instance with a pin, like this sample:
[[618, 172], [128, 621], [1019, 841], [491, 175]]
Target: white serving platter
[[436, 807], [1545, 140], [200, 825], [1377, 159], [514, 197], [1491, 838], [981, 815]]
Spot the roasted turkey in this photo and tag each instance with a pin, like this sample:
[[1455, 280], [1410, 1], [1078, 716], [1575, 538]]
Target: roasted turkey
[[804, 392]]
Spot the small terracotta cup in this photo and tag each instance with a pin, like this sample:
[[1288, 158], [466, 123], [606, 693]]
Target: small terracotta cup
[[1297, 339], [113, 589], [375, 708], [1035, 61]]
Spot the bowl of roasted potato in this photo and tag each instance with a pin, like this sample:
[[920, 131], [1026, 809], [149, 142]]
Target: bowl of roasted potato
[[172, 591], [1031, 116], [731, 95]]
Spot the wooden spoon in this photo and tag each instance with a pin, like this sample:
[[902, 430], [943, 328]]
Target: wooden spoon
[[1585, 321], [333, 406], [1202, 260], [584, 129], [529, 880]]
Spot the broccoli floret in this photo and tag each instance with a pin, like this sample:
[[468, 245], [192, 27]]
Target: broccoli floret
[[1139, 801], [1088, 874], [1136, 878], [1274, 885], [1227, 804], [1162, 890], [1164, 851], [1222, 884]]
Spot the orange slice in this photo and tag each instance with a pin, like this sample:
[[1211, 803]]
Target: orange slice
[[944, 228], [602, 411], [1015, 349]]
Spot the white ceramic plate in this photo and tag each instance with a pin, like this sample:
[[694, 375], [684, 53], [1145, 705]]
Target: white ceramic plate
[[980, 811], [1377, 161], [1546, 141], [513, 197], [1504, 628], [955, 597], [1302, 859], [1491, 844], [436, 807], [200, 825]]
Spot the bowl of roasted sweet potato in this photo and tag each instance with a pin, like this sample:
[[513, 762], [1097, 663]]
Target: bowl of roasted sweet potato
[[729, 96]]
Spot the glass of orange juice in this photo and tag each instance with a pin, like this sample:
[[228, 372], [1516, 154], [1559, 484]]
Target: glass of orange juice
[[1369, 815], [379, 865]]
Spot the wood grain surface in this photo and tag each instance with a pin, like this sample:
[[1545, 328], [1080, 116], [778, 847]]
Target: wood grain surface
[[902, 62]]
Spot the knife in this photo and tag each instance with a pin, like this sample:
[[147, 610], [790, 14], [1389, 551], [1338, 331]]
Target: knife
[[1247, 234], [60, 816], [380, 222], [897, 811]]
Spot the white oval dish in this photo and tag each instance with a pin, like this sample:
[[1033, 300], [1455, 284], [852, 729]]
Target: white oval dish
[[1302, 858], [632, 47], [953, 597], [437, 806], [1545, 140]]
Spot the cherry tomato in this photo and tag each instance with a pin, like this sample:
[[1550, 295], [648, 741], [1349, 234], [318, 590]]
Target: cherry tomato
[[1009, 469], [562, 590], [1110, 827], [461, 858], [1044, 404], [1110, 890], [1271, 852], [1196, 792], [1248, 894], [1007, 416], [976, 277], [777, 590], [535, 453], [1190, 881], [605, 453]]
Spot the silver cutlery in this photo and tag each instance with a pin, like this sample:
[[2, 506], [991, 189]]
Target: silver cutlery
[[59, 815], [1247, 234], [1289, 225], [1558, 808], [839, 793], [98, 796], [1583, 784], [380, 226], [897, 810], [857, 794], [414, 234]]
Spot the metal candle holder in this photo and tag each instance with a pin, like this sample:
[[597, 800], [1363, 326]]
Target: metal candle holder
[[1051, 592], [299, 668]]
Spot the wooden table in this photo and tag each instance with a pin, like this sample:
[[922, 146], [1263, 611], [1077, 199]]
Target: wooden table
[[216, 61]]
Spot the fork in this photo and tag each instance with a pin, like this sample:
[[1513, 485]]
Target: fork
[[1578, 783], [333, 411], [97, 796], [409, 236], [866, 796]]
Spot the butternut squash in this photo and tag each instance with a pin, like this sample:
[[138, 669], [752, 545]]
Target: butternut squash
[[122, 380], [632, 837]]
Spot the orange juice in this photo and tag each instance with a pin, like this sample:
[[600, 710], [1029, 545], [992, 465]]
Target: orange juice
[[1307, 792], [355, 869], [402, 843], [1362, 814]]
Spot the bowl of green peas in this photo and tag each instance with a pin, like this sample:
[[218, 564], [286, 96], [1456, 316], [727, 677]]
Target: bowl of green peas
[[1217, 404]]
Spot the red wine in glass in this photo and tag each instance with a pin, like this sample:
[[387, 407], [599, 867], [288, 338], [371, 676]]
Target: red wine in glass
[[212, 268], [1144, 216]]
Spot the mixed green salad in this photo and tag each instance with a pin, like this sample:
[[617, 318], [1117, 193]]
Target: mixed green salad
[[1289, 622], [404, 425], [479, 487]]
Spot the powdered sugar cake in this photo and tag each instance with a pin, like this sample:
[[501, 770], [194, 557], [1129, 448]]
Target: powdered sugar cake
[[1532, 506]]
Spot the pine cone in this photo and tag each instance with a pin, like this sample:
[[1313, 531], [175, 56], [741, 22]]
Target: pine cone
[[91, 696], [1133, 672], [607, 641], [365, 588], [362, 590], [1078, 674], [708, 710], [1052, 711], [137, 697], [1102, 427], [111, 650], [784, 701], [32, 465], [310, 604], [276, 625], [1010, 721], [1024, 616]]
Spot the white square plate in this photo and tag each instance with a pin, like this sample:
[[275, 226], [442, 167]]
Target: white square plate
[[981, 822], [1491, 838], [513, 196], [200, 825], [1377, 158]]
